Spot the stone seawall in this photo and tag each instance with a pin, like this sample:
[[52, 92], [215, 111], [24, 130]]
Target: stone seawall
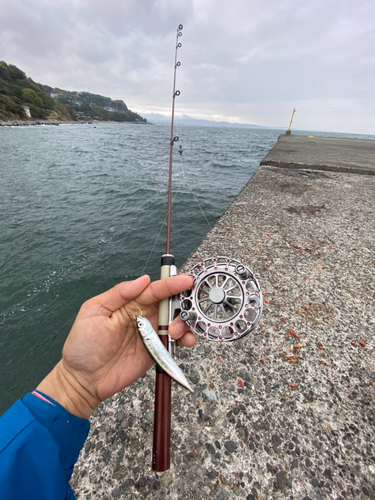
[[287, 412]]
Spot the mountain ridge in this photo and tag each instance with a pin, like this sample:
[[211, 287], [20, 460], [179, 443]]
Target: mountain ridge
[[187, 120]]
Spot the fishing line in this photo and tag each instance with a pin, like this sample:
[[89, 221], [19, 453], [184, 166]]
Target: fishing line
[[179, 134], [161, 228], [174, 198], [192, 192]]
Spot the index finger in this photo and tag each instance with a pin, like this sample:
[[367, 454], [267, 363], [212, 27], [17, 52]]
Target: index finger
[[165, 288]]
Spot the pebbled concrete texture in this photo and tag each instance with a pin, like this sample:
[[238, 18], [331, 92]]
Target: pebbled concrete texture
[[288, 411]]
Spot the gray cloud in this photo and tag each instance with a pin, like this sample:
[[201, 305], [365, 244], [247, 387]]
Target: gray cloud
[[245, 60]]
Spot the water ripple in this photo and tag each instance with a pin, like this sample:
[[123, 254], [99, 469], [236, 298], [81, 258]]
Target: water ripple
[[82, 207]]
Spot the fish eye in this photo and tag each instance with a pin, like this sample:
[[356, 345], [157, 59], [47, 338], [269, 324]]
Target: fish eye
[[140, 323]]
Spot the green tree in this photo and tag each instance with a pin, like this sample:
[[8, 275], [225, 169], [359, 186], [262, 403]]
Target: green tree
[[48, 102], [4, 70], [31, 97], [16, 73], [37, 112], [119, 105]]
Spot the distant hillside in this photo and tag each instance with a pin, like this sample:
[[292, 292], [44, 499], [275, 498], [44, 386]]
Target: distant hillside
[[20, 96], [87, 106], [23, 99], [188, 121]]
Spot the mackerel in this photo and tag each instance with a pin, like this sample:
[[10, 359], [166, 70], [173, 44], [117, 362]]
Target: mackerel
[[159, 353]]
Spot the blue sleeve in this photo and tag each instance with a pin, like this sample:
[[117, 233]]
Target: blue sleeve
[[39, 445]]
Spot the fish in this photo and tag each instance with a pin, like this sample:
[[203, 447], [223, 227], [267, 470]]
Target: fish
[[159, 353]]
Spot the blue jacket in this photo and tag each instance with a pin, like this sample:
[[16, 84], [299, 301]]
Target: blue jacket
[[39, 445]]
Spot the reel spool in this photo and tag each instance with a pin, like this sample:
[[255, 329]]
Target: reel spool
[[225, 302]]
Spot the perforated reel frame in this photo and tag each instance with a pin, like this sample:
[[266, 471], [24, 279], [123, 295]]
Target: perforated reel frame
[[225, 302]]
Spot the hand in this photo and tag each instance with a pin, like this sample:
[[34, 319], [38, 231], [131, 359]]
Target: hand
[[103, 353]]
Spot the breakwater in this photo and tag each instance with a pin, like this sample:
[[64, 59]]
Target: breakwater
[[287, 412]]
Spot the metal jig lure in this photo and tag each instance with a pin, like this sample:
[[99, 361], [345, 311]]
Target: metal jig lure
[[158, 352]]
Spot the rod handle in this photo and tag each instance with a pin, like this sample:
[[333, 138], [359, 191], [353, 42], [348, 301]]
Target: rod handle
[[162, 419], [163, 386]]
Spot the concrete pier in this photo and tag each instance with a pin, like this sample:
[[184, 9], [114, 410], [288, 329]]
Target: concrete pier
[[287, 412], [323, 153]]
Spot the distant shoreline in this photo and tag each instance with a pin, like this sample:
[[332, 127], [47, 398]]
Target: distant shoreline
[[23, 123], [27, 123]]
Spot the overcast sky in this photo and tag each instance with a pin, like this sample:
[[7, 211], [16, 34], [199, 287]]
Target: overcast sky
[[245, 61]]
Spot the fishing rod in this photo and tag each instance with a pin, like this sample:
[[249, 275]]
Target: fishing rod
[[224, 304], [168, 308]]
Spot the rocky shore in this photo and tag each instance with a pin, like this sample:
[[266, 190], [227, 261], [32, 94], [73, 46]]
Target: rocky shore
[[287, 412], [26, 123]]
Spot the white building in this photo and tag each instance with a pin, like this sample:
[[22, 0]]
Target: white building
[[27, 111]]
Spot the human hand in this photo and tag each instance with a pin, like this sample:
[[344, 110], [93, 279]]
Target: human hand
[[103, 353]]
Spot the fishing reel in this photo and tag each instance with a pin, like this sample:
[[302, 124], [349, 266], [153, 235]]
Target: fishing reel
[[225, 302]]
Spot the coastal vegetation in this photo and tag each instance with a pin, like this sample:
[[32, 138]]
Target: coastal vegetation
[[23, 99], [86, 106]]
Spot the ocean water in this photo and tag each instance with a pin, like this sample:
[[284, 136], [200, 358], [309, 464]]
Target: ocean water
[[83, 207]]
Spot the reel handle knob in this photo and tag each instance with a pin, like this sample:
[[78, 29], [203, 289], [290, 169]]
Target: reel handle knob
[[188, 316], [242, 272]]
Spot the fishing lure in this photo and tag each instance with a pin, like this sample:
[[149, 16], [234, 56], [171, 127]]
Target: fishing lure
[[159, 353]]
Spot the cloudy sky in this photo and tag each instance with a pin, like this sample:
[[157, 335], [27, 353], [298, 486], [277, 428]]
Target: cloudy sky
[[245, 61]]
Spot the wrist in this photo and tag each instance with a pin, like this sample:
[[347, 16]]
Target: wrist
[[62, 386]]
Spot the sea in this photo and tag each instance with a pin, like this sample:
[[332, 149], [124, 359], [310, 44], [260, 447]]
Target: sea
[[83, 207]]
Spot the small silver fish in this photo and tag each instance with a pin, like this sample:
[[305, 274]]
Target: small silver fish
[[159, 353]]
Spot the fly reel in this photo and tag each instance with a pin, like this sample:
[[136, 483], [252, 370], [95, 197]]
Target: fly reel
[[225, 302]]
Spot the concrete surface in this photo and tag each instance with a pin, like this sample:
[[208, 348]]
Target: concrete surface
[[287, 412], [323, 153]]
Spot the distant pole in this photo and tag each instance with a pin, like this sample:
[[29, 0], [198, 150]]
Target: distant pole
[[288, 132]]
